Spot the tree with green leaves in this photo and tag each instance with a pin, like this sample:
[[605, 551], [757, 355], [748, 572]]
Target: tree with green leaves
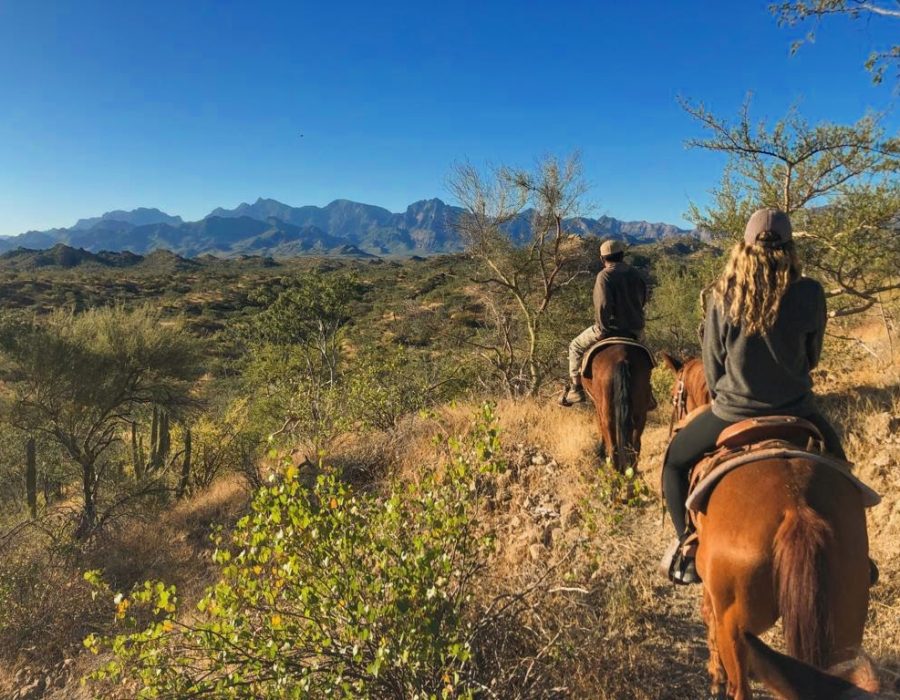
[[294, 355], [837, 182], [674, 312], [794, 12], [513, 227], [81, 379]]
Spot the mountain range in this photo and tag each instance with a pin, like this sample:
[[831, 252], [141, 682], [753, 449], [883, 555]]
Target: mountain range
[[271, 228]]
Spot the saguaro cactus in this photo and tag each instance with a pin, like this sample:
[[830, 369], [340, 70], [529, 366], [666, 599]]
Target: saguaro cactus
[[153, 462], [31, 476], [160, 441]]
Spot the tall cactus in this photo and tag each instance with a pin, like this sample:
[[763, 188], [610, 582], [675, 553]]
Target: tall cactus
[[186, 464], [153, 462], [31, 476]]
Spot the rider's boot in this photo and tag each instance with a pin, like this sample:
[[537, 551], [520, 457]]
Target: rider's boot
[[572, 394], [873, 572], [679, 561]]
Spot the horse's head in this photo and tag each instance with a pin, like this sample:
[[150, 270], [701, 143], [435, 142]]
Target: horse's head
[[689, 391]]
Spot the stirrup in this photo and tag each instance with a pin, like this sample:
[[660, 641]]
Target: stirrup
[[682, 566]]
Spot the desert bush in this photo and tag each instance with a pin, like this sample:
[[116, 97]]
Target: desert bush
[[521, 270], [222, 441], [387, 383], [292, 364], [326, 592]]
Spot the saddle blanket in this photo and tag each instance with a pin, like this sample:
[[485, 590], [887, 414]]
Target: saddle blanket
[[699, 495], [599, 345]]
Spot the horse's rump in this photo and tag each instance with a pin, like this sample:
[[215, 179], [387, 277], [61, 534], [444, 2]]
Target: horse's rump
[[587, 360], [619, 386]]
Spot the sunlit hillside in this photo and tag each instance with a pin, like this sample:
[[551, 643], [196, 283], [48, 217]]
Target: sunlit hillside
[[553, 591]]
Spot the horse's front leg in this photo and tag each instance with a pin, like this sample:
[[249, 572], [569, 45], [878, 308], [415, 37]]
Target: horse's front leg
[[718, 679]]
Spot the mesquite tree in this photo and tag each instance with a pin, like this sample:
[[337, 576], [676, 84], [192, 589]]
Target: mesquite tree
[[837, 182], [513, 226], [81, 380]]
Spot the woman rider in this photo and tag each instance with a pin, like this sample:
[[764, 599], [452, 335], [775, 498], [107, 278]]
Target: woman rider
[[763, 334]]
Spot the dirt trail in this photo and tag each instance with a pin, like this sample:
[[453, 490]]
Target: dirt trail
[[669, 638]]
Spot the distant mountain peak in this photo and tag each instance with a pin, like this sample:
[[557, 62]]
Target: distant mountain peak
[[141, 216], [272, 228]]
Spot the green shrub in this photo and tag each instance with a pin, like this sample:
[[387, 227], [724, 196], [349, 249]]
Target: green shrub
[[325, 593], [662, 379]]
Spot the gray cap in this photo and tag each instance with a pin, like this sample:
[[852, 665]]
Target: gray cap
[[611, 248], [768, 227]]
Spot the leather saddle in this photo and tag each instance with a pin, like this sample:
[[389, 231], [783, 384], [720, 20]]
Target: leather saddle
[[588, 357], [768, 437], [797, 431]]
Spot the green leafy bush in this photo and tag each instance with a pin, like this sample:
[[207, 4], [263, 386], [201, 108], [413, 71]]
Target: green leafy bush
[[325, 593]]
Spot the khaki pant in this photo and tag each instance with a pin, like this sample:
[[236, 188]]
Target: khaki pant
[[582, 343]]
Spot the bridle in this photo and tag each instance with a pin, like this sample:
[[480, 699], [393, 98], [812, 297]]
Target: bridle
[[679, 402]]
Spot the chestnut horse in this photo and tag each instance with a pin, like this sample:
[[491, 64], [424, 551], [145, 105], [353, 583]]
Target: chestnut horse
[[619, 386], [783, 537]]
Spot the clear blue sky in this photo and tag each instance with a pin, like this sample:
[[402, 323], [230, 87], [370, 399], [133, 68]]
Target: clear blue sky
[[191, 105]]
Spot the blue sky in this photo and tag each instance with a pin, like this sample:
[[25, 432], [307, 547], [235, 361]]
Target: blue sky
[[191, 105]]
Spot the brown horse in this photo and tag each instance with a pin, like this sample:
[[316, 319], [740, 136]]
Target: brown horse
[[690, 391], [619, 386], [782, 537]]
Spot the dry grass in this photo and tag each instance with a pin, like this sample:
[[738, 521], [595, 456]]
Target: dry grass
[[178, 551], [43, 639]]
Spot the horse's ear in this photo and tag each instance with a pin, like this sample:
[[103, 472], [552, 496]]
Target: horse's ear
[[795, 680], [673, 363]]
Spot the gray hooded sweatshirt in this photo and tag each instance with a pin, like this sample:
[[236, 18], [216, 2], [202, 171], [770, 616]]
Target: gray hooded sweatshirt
[[766, 374]]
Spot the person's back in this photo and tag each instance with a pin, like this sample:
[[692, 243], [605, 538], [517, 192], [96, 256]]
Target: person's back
[[620, 294], [766, 373]]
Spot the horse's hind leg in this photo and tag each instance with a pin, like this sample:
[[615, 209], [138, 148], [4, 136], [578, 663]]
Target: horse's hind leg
[[733, 654], [604, 422], [718, 679]]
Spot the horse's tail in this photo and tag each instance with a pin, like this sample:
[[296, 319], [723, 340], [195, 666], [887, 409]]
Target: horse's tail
[[624, 421], [801, 578]]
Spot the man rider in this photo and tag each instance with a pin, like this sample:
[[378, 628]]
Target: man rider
[[620, 295]]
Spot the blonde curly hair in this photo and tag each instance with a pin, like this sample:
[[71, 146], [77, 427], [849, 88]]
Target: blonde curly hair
[[753, 283]]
